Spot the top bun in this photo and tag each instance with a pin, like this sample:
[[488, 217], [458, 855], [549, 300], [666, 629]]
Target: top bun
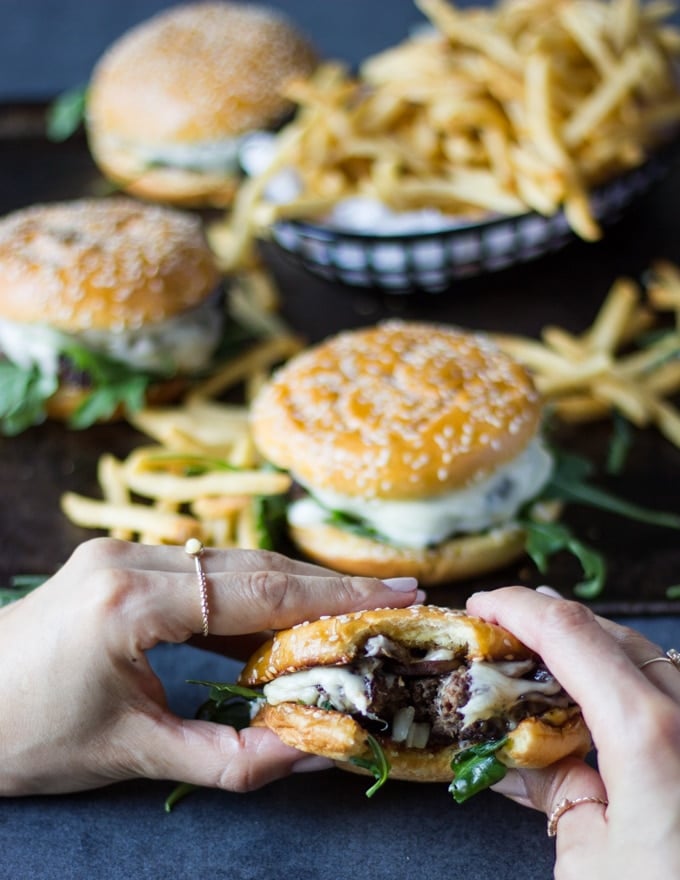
[[331, 641], [197, 72], [93, 264], [402, 410]]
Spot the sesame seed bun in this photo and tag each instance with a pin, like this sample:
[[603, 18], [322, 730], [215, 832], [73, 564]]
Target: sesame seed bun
[[133, 282], [402, 410], [100, 264], [536, 741], [194, 75]]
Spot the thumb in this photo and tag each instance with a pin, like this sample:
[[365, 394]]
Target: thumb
[[568, 780], [216, 755]]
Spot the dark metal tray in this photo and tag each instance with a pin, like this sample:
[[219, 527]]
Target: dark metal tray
[[564, 288]]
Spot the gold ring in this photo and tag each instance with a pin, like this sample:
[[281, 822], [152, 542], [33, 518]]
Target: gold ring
[[672, 657], [194, 548], [564, 805]]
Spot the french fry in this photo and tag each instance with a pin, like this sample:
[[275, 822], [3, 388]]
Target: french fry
[[93, 514], [111, 480], [246, 530], [264, 354], [184, 489]]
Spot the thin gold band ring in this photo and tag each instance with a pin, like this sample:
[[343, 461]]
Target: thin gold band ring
[[195, 548], [672, 657], [565, 805]]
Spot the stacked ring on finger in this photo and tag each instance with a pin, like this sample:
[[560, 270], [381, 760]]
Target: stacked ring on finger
[[565, 805]]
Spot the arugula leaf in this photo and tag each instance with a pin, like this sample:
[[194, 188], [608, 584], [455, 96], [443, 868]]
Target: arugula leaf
[[378, 765], [190, 465], [568, 483], [220, 691], [20, 585], [178, 793], [270, 520], [227, 704], [23, 392], [352, 524], [544, 539], [114, 384], [476, 768], [66, 113], [620, 443]]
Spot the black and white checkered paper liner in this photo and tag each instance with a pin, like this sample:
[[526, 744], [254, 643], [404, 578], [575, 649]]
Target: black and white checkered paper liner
[[432, 261]]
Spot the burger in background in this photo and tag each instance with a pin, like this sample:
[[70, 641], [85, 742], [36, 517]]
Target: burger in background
[[104, 305], [414, 447], [170, 102]]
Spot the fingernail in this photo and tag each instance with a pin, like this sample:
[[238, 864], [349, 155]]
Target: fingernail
[[421, 596], [401, 585], [512, 785], [548, 591], [311, 764]]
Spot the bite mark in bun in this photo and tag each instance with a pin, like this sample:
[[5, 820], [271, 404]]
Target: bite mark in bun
[[416, 446], [425, 683], [170, 101]]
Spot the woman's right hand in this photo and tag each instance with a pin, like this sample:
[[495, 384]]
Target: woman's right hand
[[634, 718]]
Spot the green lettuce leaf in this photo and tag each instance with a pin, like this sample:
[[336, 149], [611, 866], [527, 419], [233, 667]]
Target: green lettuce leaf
[[23, 393], [544, 539], [569, 483], [66, 114], [377, 764], [475, 769]]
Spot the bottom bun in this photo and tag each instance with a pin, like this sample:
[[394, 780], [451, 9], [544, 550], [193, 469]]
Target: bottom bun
[[175, 186], [533, 744], [461, 557], [66, 400]]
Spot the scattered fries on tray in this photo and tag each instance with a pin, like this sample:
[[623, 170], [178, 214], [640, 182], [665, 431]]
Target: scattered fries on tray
[[522, 106], [202, 479], [617, 364]]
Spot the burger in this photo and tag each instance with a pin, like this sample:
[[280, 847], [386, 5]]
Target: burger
[[413, 447], [170, 102], [424, 694], [104, 303]]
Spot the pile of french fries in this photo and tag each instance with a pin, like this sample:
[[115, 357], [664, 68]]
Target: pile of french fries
[[524, 106], [202, 478], [616, 365]]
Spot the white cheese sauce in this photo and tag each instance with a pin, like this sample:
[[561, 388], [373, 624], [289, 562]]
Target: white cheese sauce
[[184, 343], [343, 688], [209, 157], [496, 687], [420, 523]]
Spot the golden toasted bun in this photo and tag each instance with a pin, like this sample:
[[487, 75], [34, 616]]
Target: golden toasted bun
[[402, 410], [100, 264], [453, 560], [197, 73], [535, 742], [335, 640]]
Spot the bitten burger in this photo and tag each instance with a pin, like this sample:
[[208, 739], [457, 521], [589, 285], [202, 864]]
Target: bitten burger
[[423, 683], [414, 447]]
